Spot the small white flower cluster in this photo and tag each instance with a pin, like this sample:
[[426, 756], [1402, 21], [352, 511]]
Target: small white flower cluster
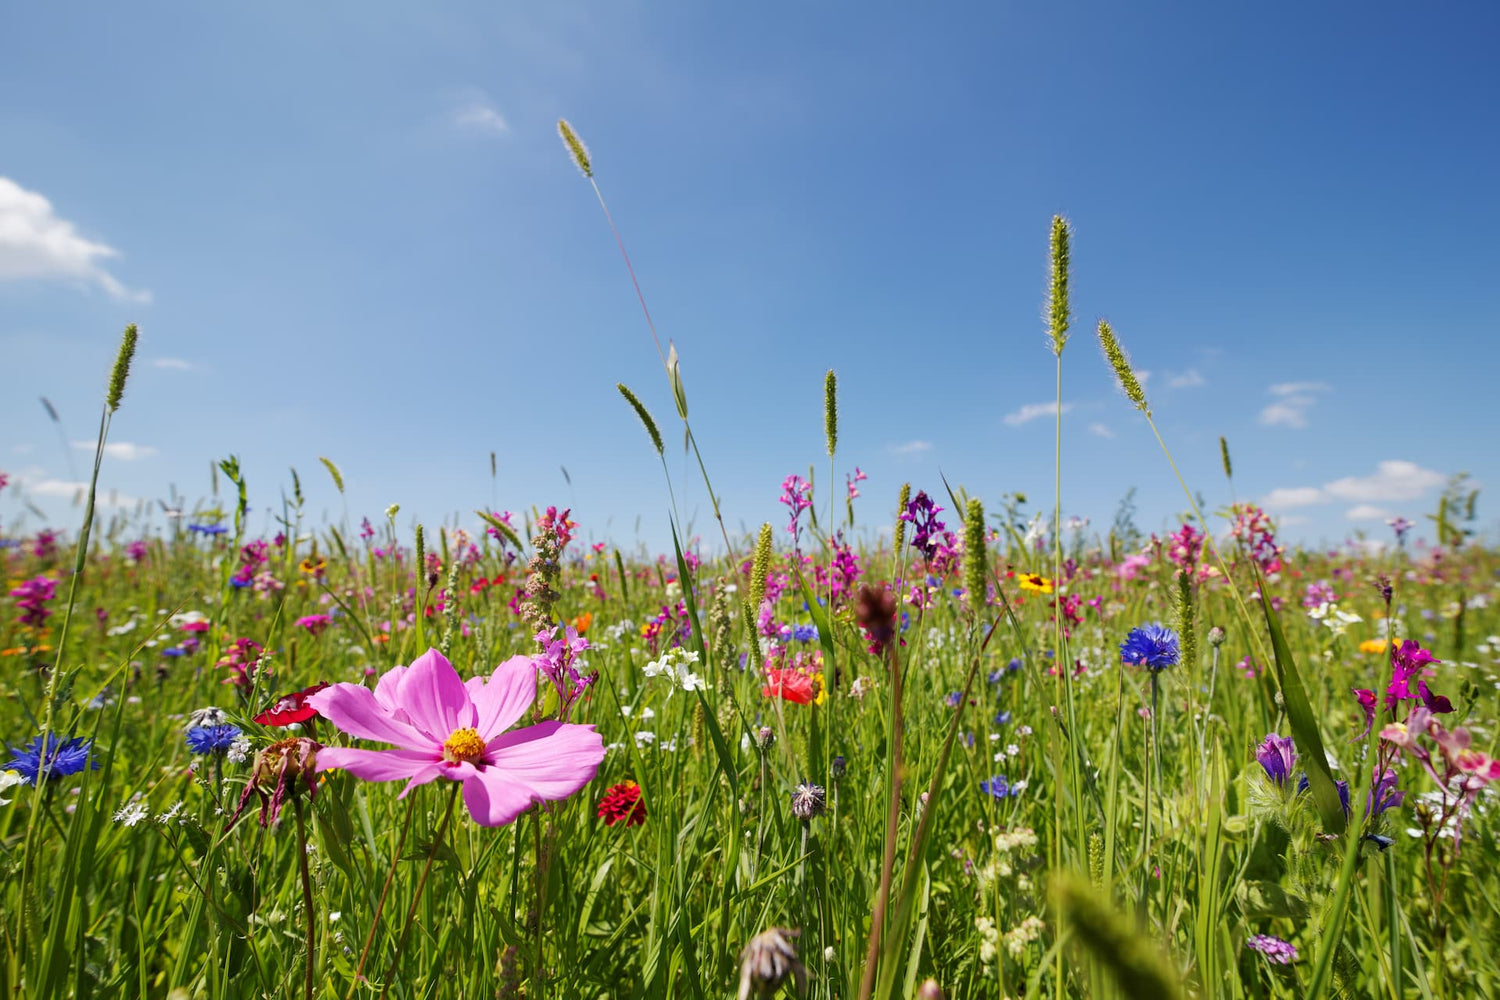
[[1332, 618], [676, 664], [132, 812]]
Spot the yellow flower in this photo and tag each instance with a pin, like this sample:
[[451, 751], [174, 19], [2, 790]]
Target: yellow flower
[[1372, 646], [1036, 583], [313, 567]]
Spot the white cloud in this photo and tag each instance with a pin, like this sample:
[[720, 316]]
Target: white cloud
[[36, 244], [1143, 377], [1291, 412], [1032, 411], [1190, 379], [1299, 388], [1292, 520], [911, 448], [1296, 398], [1393, 481], [1286, 497], [176, 364], [122, 451], [1101, 430], [475, 113], [69, 490], [1367, 512]]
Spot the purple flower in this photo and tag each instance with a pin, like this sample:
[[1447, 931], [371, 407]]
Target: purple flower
[[1384, 795], [1275, 949], [1151, 645], [1277, 755], [922, 513], [794, 493]]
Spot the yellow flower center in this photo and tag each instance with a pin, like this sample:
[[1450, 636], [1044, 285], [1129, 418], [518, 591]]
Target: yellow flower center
[[464, 744]]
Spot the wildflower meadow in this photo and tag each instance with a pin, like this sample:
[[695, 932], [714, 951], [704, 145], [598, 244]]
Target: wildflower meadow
[[905, 741]]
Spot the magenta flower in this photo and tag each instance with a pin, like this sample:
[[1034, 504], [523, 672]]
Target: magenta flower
[[445, 727]]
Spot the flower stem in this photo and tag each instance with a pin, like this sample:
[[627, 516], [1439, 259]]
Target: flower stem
[[307, 895], [416, 899], [385, 891]]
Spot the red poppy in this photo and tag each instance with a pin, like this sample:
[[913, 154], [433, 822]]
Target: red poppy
[[291, 708], [790, 685]]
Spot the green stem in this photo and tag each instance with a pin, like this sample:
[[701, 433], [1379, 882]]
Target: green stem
[[416, 899]]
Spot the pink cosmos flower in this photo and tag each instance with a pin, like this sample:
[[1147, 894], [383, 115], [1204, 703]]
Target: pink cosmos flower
[[445, 727]]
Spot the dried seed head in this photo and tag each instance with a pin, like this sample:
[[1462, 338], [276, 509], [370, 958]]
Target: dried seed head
[[1216, 637], [1224, 454], [768, 961], [576, 149], [809, 801]]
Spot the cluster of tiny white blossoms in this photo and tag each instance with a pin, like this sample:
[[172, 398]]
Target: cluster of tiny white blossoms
[[676, 664], [1332, 618], [1005, 843]]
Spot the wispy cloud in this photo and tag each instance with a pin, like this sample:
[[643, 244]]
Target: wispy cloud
[[1287, 497], [475, 112], [1101, 429], [37, 245], [1190, 379], [46, 486], [1394, 481], [176, 364], [1031, 411], [911, 448], [1367, 512], [1293, 401], [122, 451], [1299, 388]]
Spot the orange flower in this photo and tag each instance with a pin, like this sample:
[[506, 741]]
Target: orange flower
[[582, 622], [1372, 646]]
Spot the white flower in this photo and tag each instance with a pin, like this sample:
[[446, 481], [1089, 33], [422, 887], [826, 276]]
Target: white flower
[[9, 779], [644, 737], [132, 813]]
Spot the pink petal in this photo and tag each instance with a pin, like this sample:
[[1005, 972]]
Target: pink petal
[[354, 710], [505, 697], [378, 765], [388, 687], [434, 696], [493, 800], [552, 759]]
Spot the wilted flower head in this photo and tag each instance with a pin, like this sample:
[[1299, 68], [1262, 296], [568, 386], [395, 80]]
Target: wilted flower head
[[1151, 645], [809, 801], [274, 777], [875, 612], [768, 961]]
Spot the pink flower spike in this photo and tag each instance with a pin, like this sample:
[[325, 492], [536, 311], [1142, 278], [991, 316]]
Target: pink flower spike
[[444, 727]]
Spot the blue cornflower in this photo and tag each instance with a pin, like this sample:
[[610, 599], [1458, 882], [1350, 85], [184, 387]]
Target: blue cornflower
[[995, 675], [65, 756], [173, 651], [1003, 719], [999, 787], [804, 633], [208, 529], [212, 739], [954, 697], [1151, 645], [1014, 665]]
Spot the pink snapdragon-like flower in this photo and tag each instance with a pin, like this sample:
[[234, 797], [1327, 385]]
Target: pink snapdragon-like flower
[[445, 727]]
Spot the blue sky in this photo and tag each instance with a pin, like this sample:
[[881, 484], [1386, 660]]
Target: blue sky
[[349, 230]]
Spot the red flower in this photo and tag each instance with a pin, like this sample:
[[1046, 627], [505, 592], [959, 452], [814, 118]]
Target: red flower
[[623, 802], [291, 708], [790, 685]]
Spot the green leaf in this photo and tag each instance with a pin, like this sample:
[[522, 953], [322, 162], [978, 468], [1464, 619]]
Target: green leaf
[[1304, 722]]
